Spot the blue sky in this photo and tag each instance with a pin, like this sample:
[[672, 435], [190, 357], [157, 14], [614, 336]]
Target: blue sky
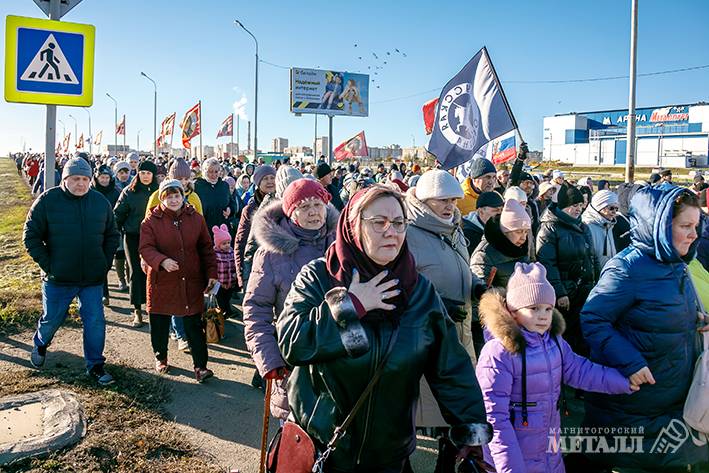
[[194, 52]]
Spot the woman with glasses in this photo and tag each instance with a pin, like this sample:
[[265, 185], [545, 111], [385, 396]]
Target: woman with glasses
[[565, 248], [437, 242], [599, 217], [339, 319]]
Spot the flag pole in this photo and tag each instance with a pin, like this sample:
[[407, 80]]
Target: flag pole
[[502, 93], [238, 151], [124, 131], [231, 150], [172, 135], [201, 150]]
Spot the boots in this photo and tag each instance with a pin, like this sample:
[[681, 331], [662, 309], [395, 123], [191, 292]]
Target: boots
[[137, 318], [121, 272]]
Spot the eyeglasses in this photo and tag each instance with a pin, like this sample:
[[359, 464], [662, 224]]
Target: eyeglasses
[[612, 208], [382, 224]]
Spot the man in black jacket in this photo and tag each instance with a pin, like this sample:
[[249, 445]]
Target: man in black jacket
[[70, 233]]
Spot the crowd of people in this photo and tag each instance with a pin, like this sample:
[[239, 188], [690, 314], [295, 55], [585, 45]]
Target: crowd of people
[[399, 299]]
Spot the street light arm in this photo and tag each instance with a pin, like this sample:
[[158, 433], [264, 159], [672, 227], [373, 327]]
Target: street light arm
[[238, 23], [151, 80]]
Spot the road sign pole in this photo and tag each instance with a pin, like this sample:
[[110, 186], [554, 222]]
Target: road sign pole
[[50, 160]]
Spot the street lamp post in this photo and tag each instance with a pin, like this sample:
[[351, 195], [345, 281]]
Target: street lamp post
[[76, 133], [155, 114], [239, 24], [115, 123], [91, 138], [63, 128]]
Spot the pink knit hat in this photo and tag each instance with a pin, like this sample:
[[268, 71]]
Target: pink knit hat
[[514, 217], [220, 234], [528, 286]]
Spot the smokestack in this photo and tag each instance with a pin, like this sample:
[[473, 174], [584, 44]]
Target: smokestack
[[248, 136]]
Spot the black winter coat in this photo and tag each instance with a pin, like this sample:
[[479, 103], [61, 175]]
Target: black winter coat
[[334, 361], [130, 208], [72, 239], [110, 192], [496, 251], [565, 248], [215, 198], [472, 231]]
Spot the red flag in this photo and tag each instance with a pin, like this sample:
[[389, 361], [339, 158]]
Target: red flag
[[429, 115], [226, 127], [67, 138], [168, 126], [354, 147], [80, 143], [191, 125], [121, 128], [97, 139]]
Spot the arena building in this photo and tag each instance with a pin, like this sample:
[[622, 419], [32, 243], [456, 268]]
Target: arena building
[[667, 136]]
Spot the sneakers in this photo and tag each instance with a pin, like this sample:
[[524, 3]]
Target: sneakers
[[183, 345], [137, 318], [202, 373], [100, 376], [106, 301], [122, 287], [173, 335], [161, 366], [39, 354]]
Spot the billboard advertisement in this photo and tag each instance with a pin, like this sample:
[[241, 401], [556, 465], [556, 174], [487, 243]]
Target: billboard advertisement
[[329, 92]]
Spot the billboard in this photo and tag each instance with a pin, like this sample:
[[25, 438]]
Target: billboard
[[329, 92]]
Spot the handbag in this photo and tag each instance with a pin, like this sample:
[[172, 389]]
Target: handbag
[[696, 406], [214, 320], [293, 451]]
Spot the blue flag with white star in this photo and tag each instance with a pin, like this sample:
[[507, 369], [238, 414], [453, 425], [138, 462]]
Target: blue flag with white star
[[471, 112]]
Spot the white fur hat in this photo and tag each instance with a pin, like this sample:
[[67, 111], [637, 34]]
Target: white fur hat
[[438, 184]]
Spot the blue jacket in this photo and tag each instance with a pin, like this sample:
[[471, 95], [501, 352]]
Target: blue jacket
[[641, 313]]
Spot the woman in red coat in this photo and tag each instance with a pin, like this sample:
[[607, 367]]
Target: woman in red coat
[[181, 266]]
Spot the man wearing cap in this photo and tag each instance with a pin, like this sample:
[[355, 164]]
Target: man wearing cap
[[557, 177], [489, 204], [71, 234], [482, 178], [324, 174], [666, 176]]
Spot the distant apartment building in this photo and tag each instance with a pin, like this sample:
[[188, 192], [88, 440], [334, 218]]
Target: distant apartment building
[[279, 145]]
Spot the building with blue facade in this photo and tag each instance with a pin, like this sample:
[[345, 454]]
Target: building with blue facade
[[667, 136]]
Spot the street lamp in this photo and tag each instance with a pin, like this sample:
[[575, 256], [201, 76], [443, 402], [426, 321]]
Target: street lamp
[[115, 123], [76, 133], [155, 115], [91, 138], [63, 128], [240, 25]]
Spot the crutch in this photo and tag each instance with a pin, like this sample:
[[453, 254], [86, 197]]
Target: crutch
[[266, 420]]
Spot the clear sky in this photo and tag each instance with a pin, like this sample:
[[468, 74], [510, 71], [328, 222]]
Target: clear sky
[[194, 52]]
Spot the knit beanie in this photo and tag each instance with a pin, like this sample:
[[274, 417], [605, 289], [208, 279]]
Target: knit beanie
[[121, 165], [168, 183], [480, 167], [438, 184], [284, 176], [231, 182], [603, 199], [148, 166], [528, 286], [132, 156], [179, 169], [568, 196], [77, 167], [221, 234], [103, 169], [514, 217], [322, 170], [490, 199], [261, 172], [300, 190], [515, 193]]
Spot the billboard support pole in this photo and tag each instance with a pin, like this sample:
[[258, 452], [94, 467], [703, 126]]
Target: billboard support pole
[[315, 143], [630, 140], [329, 140]]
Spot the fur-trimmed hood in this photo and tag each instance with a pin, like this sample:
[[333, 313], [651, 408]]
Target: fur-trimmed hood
[[498, 320], [271, 231]]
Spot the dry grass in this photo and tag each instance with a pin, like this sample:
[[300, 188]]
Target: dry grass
[[20, 289], [126, 433]]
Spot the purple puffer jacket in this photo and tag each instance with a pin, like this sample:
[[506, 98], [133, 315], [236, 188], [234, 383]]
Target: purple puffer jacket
[[279, 259], [516, 448]]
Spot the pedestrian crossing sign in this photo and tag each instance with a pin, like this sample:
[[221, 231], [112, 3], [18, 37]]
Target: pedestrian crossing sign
[[49, 62]]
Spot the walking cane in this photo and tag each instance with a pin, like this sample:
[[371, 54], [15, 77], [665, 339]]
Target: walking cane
[[491, 277], [266, 420]]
